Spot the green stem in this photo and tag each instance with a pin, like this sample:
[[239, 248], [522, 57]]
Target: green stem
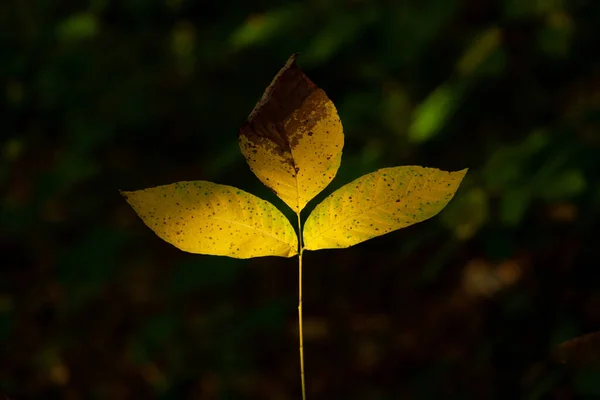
[[301, 249]]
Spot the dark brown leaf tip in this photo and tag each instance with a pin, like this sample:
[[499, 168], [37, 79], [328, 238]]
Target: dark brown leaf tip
[[286, 93]]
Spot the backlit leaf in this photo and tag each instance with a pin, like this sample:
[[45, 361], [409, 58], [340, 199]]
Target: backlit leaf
[[208, 218], [293, 138], [378, 203]]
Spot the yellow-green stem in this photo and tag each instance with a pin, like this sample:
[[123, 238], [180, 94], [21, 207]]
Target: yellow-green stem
[[301, 248]]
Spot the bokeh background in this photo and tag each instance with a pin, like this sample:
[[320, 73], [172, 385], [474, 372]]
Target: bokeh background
[[101, 95]]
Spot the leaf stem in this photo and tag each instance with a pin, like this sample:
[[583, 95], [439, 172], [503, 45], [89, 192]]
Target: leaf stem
[[300, 332]]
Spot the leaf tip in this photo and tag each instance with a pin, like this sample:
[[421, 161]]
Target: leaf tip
[[292, 60]]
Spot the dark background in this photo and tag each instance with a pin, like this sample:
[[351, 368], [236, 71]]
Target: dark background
[[103, 95]]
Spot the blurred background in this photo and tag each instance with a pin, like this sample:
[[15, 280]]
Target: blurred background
[[101, 95]]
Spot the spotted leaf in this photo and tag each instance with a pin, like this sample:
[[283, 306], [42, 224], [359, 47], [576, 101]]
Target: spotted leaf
[[293, 138], [208, 218], [378, 203]]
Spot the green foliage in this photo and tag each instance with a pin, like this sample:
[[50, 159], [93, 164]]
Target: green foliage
[[433, 113]]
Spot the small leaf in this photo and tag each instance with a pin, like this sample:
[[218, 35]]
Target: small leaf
[[435, 111], [293, 138], [208, 218], [378, 203]]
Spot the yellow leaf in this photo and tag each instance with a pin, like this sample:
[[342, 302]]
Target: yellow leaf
[[207, 218], [377, 203], [293, 138]]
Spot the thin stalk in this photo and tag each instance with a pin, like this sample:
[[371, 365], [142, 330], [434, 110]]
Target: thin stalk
[[301, 334]]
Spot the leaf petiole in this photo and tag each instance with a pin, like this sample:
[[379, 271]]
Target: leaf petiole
[[300, 332]]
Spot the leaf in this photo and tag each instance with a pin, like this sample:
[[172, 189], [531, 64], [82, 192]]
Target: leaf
[[377, 203], [435, 111], [208, 218], [293, 138]]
